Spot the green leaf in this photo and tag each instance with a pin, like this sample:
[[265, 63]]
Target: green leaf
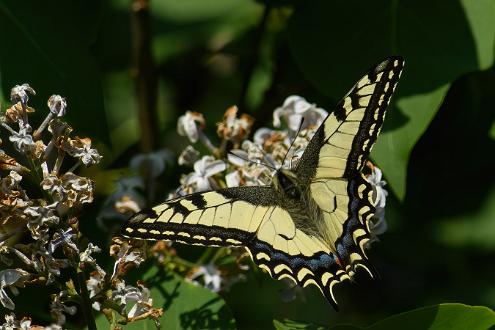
[[293, 325], [473, 229], [48, 45], [438, 317], [185, 305], [335, 42], [183, 25]]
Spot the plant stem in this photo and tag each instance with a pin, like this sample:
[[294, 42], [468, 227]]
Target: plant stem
[[144, 73], [253, 59], [86, 304]]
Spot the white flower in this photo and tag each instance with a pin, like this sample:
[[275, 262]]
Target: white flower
[[294, 109], [85, 256], [22, 140], [57, 105], [53, 327], [127, 254], [10, 322], [189, 125], [10, 183], [81, 148], [63, 238], [125, 295], [143, 304], [378, 224], [233, 179], [25, 324], [211, 277], [126, 205], [40, 218], [20, 93], [95, 283], [376, 181], [206, 167], [9, 278]]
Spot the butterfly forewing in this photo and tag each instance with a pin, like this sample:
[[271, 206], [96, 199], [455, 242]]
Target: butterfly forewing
[[343, 142], [216, 218]]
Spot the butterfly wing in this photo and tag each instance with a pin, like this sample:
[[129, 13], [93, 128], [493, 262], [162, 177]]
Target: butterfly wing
[[343, 142], [225, 217], [331, 166], [247, 216]]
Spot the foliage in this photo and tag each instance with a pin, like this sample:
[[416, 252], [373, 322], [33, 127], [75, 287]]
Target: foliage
[[436, 150], [443, 316]]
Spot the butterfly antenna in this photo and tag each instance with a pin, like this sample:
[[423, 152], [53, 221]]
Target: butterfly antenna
[[267, 159], [252, 161], [294, 140]]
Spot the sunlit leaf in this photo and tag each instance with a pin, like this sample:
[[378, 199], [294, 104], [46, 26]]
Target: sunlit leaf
[[336, 42], [438, 317], [186, 306]]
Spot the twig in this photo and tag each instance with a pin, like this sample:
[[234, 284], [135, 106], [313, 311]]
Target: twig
[[144, 73], [85, 304]]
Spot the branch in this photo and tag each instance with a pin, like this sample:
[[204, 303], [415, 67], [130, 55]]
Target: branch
[[144, 74]]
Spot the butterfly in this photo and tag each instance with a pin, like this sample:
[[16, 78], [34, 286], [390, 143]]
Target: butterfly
[[312, 223]]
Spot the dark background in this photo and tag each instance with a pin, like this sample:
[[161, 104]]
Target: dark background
[[436, 150]]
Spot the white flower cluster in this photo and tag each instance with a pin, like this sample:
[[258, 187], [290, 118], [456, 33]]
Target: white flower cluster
[[242, 164], [55, 240]]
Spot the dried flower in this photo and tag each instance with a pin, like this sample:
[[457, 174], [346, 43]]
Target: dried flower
[[52, 220], [127, 205], [40, 218], [233, 128], [86, 255], [188, 156], [16, 112], [23, 140], [9, 163], [81, 148], [126, 256]]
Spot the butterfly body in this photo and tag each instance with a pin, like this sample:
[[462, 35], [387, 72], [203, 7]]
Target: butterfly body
[[311, 224]]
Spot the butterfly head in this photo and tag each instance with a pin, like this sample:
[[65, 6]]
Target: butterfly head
[[286, 182]]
